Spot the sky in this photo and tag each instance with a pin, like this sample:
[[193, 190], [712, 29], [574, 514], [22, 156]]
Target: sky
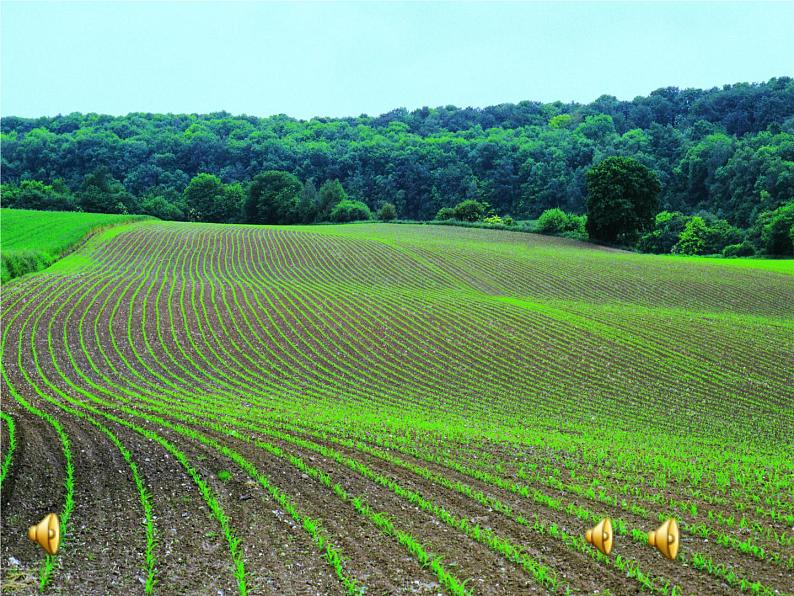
[[346, 59]]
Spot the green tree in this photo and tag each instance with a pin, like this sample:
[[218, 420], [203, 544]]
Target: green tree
[[331, 193], [209, 199], [665, 234], [777, 233], [622, 199], [309, 202], [273, 198], [387, 212], [32, 194], [101, 193], [692, 240]]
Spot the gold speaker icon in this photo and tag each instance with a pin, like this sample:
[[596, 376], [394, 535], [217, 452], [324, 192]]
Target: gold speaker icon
[[666, 538], [47, 533], [601, 536]]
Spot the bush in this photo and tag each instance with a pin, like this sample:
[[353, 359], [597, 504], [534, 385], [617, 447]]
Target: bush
[[745, 249], [692, 240], [387, 212], [16, 263], [445, 213], [470, 210], [557, 222], [494, 220], [552, 221], [348, 210], [664, 236], [719, 234], [160, 207], [331, 194], [32, 194]]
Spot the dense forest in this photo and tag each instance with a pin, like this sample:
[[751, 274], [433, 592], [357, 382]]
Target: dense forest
[[723, 154]]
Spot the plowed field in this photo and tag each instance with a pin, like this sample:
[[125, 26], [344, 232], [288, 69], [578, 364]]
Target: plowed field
[[394, 409]]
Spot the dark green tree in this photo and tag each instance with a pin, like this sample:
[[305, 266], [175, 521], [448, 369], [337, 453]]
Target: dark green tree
[[622, 199], [32, 194], [777, 235], [208, 199], [309, 202], [331, 193], [273, 198], [387, 212], [665, 233], [100, 192]]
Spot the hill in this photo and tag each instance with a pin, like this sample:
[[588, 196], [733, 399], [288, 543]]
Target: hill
[[398, 408]]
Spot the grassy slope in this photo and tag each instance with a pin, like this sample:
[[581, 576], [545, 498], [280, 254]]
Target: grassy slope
[[32, 240]]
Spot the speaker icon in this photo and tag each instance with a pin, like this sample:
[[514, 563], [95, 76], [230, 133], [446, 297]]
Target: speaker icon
[[47, 533], [666, 539], [601, 536]]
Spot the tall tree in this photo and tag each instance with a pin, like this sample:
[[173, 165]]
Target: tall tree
[[273, 198], [622, 199], [100, 192], [331, 193], [209, 199]]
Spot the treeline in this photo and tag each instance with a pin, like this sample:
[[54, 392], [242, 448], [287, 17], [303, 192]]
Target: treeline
[[725, 153]]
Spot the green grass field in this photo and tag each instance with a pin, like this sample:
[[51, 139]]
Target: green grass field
[[398, 408], [33, 240]]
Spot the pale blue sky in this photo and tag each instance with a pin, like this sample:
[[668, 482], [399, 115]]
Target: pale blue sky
[[345, 59]]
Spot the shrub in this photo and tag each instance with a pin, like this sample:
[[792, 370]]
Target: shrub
[[494, 220], [557, 222], [387, 212], [331, 194], [719, 234], [470, 210], [32, 194], [348, 210], [745, 249], [16, 263], [666, 231], [160, 207], [552, 221], [445, 213], [692, 240]]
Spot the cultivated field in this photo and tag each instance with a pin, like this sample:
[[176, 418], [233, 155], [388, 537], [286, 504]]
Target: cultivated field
[[395, 409], [33, 240]]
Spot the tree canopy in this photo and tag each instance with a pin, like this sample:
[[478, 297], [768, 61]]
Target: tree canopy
[[728, 151]]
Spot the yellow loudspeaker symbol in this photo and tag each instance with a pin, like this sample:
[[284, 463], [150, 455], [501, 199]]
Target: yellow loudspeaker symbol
[[666, 538], [47, 533], [601, 536]]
